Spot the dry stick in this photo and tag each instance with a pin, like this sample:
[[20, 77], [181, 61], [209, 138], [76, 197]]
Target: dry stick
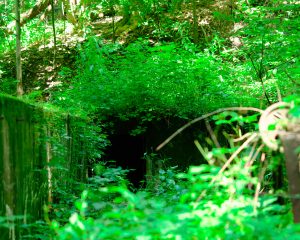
[[212, 134], [250, 156], [250, 162], [246, 135], [233, 156], [201, 150], [214, 138], [203, 117], [252, 159], [257, 152], [260, 179]]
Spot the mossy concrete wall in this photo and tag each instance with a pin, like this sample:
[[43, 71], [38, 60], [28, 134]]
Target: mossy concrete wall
[[38, 150]]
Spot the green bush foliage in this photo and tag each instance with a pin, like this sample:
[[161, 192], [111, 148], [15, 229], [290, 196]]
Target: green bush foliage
[[163, 74], [202, 203], [227, 210], [147, 82]]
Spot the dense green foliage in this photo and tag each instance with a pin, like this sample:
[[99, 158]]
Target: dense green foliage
[[164, 80], [159, 62], [225, 212], [203, 203]]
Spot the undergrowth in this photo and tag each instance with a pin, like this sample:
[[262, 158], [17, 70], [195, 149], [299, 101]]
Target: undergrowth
[[205, 202], [147, 80]]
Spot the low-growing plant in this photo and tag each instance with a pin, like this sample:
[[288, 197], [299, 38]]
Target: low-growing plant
[[232, 201]]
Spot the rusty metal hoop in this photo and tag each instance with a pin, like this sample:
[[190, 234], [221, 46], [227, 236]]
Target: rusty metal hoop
[[277, 111]]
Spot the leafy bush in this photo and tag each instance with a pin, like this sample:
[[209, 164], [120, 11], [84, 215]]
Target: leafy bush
[[225, 211], [206, 202], [144, 82], [266, 63]]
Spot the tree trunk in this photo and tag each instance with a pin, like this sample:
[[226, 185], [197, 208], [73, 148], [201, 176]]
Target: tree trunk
[[291, 142], [18, 51], [54, 33], [40, 6], [195, 22]]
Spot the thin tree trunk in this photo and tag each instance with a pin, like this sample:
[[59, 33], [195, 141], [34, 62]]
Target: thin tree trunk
[[39, 7], [54, 33], [195, 22], [114, 26], [48, 167], [20, 90]]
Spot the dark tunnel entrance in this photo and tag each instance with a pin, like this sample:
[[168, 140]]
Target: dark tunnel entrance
[[128, 151]]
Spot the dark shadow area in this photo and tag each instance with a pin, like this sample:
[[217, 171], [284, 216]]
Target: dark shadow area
[[180, 151], [128, 152]]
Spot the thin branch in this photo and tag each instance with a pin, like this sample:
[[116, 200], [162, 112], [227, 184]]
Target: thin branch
[[250, 156], [261, 65], [204, 117], [214, 138], [278, 93], [252, 159], [289, 76], [259, 76], [283, 63], [233, 156], [260, 72], [202, 151], [242, 137], [260, 179], [212, 134]]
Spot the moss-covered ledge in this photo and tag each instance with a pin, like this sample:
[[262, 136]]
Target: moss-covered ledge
[[39, 148]]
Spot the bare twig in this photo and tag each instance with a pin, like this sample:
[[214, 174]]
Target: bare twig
[[260, 77], [242, 137], [201, 150], [252, 159], [214, 138], [251, 154], [212, 134], [233, 156], [290, 77], [204, 117], [260, 179]]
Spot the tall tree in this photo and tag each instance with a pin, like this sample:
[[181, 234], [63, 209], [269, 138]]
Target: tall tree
[[39, 7], [20, 90], [54, 32], [195, 22]]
